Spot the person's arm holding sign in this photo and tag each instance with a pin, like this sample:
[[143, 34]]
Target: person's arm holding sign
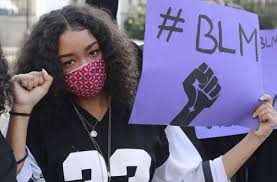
[[236, 157], [185, 163]]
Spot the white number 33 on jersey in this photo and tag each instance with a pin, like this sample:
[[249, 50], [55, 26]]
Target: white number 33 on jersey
[[119, 161]]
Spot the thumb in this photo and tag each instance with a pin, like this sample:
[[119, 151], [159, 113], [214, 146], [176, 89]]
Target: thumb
[[48, 79]]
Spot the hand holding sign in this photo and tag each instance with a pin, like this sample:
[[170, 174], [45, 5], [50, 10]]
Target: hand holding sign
[[202, 89], [267, 116]]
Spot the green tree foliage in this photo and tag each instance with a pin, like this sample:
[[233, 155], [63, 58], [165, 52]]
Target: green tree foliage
[[135, 22], [267, 12]]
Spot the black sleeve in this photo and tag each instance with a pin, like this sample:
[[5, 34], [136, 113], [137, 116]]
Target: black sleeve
[[35, 141], [207, 171], [162, 150], [7, 162]]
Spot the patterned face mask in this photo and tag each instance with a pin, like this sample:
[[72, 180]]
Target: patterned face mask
[[87, 80]]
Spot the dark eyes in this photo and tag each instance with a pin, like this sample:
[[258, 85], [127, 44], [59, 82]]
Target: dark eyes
[[94, 53], [69, 62]]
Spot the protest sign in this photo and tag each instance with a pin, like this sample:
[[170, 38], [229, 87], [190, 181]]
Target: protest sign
[[269, 61], [219, 131], [201, 66]]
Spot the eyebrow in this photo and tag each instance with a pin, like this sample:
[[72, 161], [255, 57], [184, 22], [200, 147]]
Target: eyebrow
[[90, 45], [71, 54]]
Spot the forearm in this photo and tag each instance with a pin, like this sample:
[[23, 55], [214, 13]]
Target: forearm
[[28, 90], [17, 133], [240, 153]]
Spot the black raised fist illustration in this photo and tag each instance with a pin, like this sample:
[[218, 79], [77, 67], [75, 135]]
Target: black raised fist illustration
[[202, 89]]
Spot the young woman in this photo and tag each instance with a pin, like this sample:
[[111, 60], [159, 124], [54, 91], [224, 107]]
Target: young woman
[[74, 116], [7, 161]]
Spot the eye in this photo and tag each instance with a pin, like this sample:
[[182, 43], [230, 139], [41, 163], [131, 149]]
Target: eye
[[69, 62], [94, 53]]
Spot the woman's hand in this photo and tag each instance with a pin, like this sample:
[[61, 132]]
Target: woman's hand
[[267, 116], [29, 89], [240, 153]]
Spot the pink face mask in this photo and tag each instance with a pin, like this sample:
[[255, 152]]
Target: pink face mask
[[88, 80]]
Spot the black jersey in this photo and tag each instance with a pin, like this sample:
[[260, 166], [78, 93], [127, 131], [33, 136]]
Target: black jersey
[[58, 150], [7, 162], [64, 151]]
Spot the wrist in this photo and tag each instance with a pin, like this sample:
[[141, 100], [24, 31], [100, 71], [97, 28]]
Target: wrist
[[20, 114], [21, 108], [257, 137]]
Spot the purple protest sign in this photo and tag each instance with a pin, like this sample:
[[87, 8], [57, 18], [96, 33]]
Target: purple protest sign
[[201, 65], [219, 131], [269, 61]]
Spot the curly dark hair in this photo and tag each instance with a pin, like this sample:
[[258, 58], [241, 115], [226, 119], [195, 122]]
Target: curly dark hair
[[40, 50], [5, 84]]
